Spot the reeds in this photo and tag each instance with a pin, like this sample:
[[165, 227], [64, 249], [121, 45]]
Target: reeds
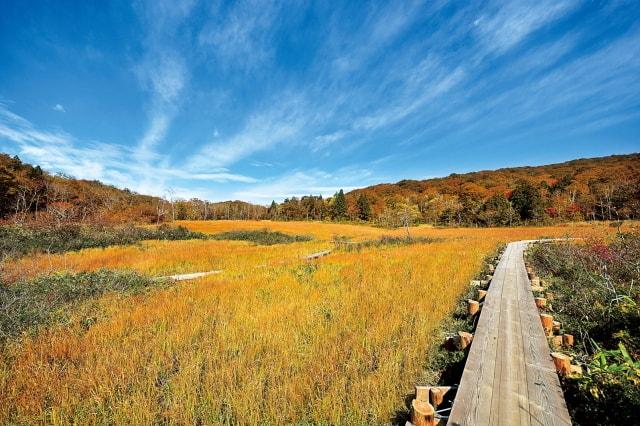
[[273, 339]]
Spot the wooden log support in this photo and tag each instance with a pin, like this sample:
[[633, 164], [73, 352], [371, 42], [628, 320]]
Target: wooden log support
[[422, 413], [537, 289], [535, 282], [547, 323], [562, 363], [491, 268], [489, 277], [549, 295], [463, 340], [481, 295], [531, 275], [484, 282], [473, 307], [422, 393], [555, 341], [541, 302], [567, 340], [436, 395], [475, 283], [557, 326]]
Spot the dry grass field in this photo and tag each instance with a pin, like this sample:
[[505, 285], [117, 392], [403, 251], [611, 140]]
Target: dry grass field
[[273, 339]]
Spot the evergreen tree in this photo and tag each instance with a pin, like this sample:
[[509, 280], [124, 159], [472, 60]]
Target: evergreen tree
[[339, 210], [364, 207], [526, 201], [272, 211]]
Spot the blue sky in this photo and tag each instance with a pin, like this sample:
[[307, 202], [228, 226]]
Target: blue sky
[[261, 100]]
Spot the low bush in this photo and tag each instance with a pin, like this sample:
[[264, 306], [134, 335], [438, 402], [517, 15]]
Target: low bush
[[261, 237], [597, 298], [20, 240], [344, 243], [48, 299]]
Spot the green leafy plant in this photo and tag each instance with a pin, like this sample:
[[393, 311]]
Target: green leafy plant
[[610, 367], [49, 299], [261, 237], [18, 241]]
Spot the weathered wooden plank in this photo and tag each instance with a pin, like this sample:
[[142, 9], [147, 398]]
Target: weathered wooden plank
[[509, 378], [317, 255], [192, 276]]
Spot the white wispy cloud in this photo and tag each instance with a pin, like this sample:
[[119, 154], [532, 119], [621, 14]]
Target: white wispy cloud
[[510, 22], [242, 34], [59, 108], [263, 130], [58, 151]]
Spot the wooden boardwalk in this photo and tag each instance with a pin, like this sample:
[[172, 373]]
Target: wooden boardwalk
[[509, 377]]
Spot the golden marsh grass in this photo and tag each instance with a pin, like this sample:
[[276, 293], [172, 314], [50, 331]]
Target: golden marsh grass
[[272, 340]]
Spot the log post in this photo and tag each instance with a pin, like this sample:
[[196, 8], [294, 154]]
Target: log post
[[547, 323], [537, 289], [541, 302], [463, 339], [473, 306], [481, 294], [556, 326], [535, 282], [489, 277], [475, 283], [567, 340], [562, 363], [422, 393], [555, 341], [549, 295], [491, 268], [422, 413]]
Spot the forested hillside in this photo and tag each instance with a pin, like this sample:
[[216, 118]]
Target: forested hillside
[[606, 188], [29, 194]]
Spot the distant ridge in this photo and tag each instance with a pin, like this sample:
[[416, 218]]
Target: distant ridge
[[604, 188]]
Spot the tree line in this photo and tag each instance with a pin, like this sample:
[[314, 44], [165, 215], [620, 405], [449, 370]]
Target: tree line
[[593, 189]]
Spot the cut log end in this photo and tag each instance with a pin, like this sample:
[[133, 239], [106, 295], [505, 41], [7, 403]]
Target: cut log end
[[422, 413], [463, 340], [555, 342], [562, 363], [473, 306], [541, 302], [422, 393], [567, 340], [482, 294], [547, 323]]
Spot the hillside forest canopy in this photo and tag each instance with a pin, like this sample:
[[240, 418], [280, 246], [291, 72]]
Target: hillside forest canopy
[[606, 188]]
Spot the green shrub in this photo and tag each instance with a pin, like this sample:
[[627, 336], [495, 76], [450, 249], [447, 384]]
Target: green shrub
[[343, 243], [20, 240], [27, 305], [597, 298], [261, 237]]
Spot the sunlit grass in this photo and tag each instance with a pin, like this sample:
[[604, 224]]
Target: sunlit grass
[[273, 339]]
